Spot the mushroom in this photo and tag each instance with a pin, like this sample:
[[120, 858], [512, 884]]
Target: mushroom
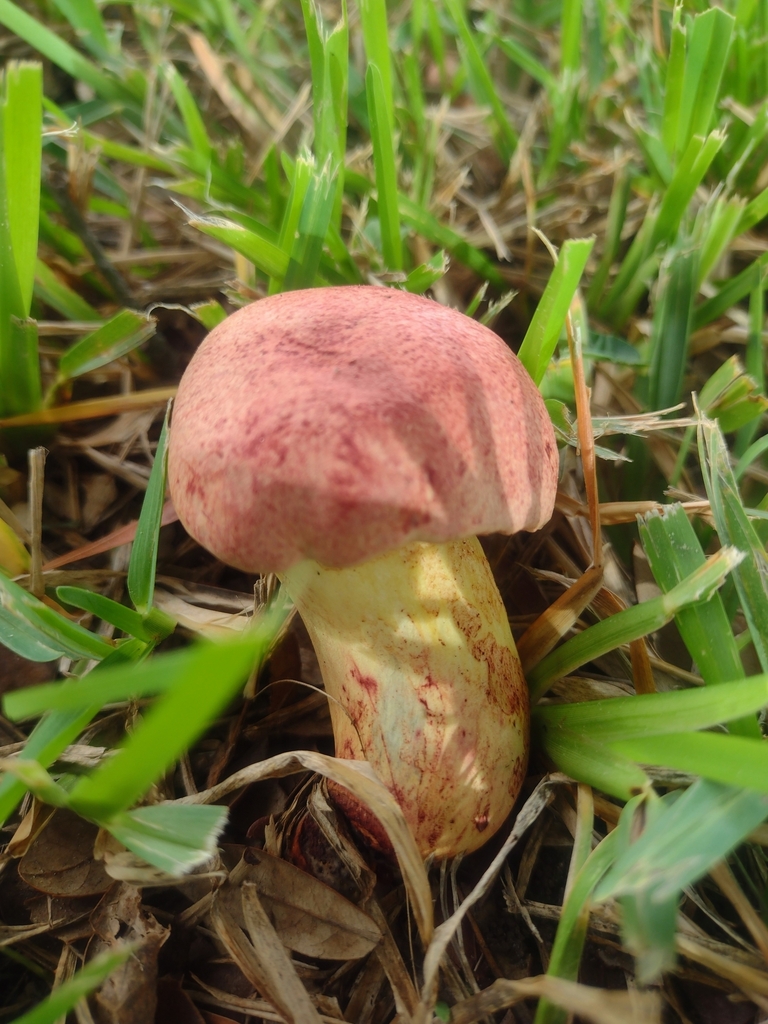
[[354, 440]]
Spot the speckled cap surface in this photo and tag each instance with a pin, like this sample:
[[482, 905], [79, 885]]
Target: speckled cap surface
[[339, 423]]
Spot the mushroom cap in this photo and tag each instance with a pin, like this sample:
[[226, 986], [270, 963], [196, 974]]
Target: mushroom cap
[[340, 423]]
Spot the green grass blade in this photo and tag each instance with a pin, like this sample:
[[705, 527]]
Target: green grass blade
[[677, 289], [572, 927], [178, 718], [24, 614], [674, 551], [657, 714], [329, 61], [724, 221], [754, 366], [673, 92], [314, 221], [525, 60], [704, 66], [541, 337], [118, 336], [426, 274], [755, 211], [174, 838], [59, 296], [731, 396], [190, 113], [143, 563], [694, 164], [125, 619], [49, 738], [373, 19], [570, 36], [617, 209], [66, 996], [300, 176], [731, 760], [22, 126], [441, 235], [210, 314], [590, 761], [382, 133], [733, 291], [632, 623], [21, 390], [734, 527], [105, 685], [85, 18], [57, 50], [697, 831], [481, 81], [268, 257]]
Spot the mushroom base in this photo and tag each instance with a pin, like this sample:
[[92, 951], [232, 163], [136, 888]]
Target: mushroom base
[[424, 683]]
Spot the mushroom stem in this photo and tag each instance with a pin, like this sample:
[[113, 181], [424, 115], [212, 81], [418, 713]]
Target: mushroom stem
[[425, 683]]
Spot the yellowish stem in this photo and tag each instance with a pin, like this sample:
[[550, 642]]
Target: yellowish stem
[[425, 684]]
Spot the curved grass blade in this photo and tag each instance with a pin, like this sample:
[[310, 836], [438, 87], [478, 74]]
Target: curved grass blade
[[541, 337], [118, 336], [105, 608], [655, 714], [731, 760], [26, 617], [180, 716], [481, 81], [174, 838], [66, 996], [52, 735], [588, 759], [632, 623], [700, 828]]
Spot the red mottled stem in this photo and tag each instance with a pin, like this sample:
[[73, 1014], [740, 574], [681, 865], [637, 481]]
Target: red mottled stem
[[425, 684]]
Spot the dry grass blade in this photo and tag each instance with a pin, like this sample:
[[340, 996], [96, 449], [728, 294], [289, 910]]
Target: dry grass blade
[[592, 1004], [557, 621], [748, 979], [214, 71], [123, 535], [406, 996], [265, 963], [724, 877], [576, 327], [529, 812], [93, 408], [358, 777]]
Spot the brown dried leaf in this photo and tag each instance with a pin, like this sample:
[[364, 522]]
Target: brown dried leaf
[[264, 961], [309, 916], [59, 861], [129, 995], [359, 778]]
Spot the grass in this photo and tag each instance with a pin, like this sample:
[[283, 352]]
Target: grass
[[211, 153]]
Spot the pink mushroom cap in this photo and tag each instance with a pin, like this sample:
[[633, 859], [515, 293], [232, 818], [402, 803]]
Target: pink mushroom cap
[[340, 423]]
